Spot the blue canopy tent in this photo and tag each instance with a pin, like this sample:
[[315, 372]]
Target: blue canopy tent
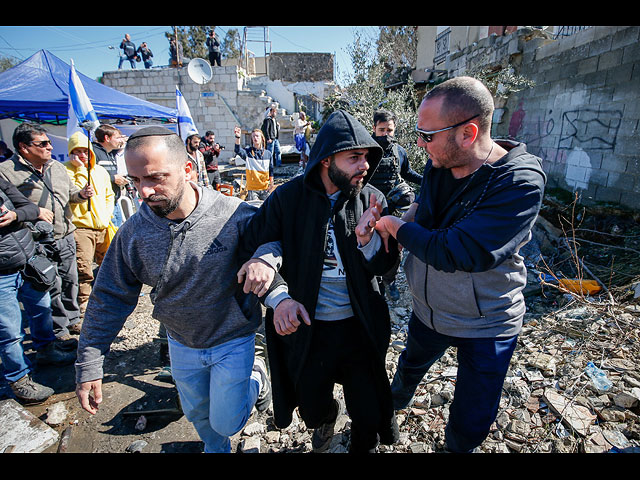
[[38, 89]]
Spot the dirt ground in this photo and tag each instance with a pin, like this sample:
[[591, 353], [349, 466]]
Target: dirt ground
[[140, 410], [131, 390]]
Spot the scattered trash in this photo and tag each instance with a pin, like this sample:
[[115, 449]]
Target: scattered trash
[[598, 377], [136, 447]]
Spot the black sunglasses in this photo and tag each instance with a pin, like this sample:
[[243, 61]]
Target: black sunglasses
[[428, 136], [42, 144]]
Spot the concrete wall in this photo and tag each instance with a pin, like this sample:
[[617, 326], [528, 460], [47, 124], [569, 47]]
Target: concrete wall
[[218, 105], [301, 67], [582, 116]]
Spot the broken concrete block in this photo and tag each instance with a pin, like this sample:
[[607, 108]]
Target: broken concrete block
[[574, 416], [544, 362], [21, 431], [56, 414], [625, 400], [250, 445]]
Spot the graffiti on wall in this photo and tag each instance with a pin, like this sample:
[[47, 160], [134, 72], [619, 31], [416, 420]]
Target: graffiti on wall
[[568, 141]]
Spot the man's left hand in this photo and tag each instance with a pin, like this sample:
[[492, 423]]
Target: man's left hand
[[257, 276], [367, 224]]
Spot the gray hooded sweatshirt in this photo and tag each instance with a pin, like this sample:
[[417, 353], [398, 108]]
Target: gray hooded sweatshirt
[[192, 268]]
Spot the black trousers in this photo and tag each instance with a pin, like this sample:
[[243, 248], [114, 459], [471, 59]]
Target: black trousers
[[215, 58], [340, 353], [64, 294]]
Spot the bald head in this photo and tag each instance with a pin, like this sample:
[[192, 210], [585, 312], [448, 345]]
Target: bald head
[[463, 97]]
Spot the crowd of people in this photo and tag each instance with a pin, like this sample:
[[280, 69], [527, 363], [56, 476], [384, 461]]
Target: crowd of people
[[319, 252]]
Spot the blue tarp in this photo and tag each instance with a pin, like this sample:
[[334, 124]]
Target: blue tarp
[[38, 89]]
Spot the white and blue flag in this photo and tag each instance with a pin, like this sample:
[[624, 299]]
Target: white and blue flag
[[186, 126], [81, 111]]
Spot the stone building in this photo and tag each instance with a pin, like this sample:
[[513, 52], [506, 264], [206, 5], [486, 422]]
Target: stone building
[[583, 112]]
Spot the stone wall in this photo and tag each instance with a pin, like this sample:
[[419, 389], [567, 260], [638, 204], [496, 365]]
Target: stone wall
[[583, 114], [218, 105], [301, 67]]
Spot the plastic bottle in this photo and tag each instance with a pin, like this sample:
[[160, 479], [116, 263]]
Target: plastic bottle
[[598, 377]]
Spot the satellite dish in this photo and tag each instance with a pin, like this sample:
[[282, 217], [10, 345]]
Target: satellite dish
[[199, 71]]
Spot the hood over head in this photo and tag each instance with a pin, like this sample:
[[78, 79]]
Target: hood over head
[[343, 132], [80, 140]]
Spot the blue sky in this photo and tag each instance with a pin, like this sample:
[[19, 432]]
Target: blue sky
[[88, 46]]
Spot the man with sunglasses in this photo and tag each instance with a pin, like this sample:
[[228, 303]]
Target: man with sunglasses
[[45, 182], [477, 205]]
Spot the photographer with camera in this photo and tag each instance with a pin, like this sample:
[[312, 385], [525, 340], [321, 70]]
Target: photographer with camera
[[45, 182], [17, 247], [211, 151]]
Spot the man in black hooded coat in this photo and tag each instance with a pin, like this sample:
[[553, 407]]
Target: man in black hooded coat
[[323, 330]]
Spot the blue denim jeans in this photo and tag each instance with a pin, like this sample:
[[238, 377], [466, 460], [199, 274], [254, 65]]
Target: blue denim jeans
[[482, 367], [216, 388], [37, 305], [274, 148]]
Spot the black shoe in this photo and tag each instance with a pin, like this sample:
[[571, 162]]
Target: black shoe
[[264, 398], [53, 355], [66, 342], [30, 392], [324, 433]]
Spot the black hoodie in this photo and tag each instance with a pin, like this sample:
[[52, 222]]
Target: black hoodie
[[297, 214]]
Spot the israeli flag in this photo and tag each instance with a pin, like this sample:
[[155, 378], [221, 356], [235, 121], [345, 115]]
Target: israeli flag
[[186, 126], [81, 114]]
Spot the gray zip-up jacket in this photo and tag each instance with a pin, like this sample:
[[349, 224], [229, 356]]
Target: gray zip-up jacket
[[192, 268], [464, 268]]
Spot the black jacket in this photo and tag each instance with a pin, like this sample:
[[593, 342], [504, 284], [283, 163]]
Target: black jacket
[[270, 128], [297, 214], [16, 240]]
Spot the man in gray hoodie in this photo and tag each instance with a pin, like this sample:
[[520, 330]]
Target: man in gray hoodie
[[478, 202], [184, 242]]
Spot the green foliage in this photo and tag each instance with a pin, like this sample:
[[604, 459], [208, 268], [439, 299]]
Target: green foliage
[[365, 93], [231, 46], [7, 62], [192, 39]]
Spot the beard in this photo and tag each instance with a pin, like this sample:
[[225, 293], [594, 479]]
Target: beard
[[169, 205], [343, 181]]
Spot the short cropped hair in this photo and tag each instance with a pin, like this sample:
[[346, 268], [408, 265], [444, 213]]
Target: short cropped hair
[[24, 133], [383, 115], [104, 131], [177, 153], [463, 98]]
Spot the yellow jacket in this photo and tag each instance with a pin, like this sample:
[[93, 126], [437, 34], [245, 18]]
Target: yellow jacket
[[102, 201]]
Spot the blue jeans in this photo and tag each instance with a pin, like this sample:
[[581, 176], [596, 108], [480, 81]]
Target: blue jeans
[[132, 61], [274, 148], [37, 305], [117, 217], [216, 389], [482, 367]]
